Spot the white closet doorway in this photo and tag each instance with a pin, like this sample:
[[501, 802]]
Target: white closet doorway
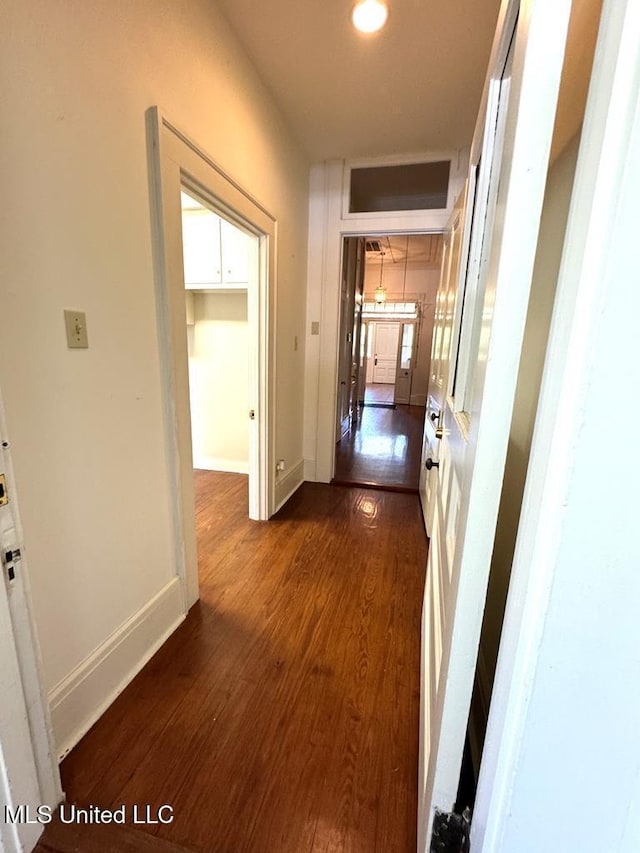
[[218, 256]]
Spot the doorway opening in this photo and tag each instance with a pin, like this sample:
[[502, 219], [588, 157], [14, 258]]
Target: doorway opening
[[218, 259], [179, 166], [388, 291]]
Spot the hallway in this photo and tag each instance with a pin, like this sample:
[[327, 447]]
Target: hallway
[[383, 450], [283, 714], [378, 393]]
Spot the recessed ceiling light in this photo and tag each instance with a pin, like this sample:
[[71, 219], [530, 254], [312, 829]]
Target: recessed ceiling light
[[369, 16]]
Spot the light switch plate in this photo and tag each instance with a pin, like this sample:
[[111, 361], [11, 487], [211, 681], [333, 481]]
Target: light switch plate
[[76, 325]]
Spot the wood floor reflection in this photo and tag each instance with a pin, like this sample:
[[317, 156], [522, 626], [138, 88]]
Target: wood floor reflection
[[282, 716], [383, 450]]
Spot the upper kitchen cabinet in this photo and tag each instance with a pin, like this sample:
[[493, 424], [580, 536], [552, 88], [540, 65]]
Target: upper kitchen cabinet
[[234, 245], [215, 252]]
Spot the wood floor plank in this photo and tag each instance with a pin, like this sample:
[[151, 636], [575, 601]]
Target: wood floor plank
[[282, 716], [101, 838]]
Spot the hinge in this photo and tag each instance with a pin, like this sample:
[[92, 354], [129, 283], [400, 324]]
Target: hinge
[[4, 497], [10, 557], [451, 832]]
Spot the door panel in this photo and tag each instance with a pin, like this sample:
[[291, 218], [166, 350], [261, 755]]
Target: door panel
[[385, 352], [407, 347], [442, 336], [447, 442], [357, 378], [487, 306], [347, 317]]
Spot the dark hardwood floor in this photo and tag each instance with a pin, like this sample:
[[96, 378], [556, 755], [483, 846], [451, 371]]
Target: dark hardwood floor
[[383, 449], [282, 716]]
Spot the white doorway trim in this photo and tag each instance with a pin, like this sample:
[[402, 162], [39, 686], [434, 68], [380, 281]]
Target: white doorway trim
[[326, 433], [176, 162], [327, 230]]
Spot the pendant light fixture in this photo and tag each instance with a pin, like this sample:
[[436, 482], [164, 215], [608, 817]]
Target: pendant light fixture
[[381, 293]]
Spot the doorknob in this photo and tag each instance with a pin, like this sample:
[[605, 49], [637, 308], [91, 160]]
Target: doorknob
[[429, 464]]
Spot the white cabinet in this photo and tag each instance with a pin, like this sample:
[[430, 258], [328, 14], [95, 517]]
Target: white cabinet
[[234, 245], [201, 248], [215, 252]]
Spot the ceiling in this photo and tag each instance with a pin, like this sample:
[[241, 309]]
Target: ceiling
[[416, 248], [415, 86]]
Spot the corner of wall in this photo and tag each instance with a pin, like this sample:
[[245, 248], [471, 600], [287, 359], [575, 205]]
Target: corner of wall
[[85, 694], [289, 484]]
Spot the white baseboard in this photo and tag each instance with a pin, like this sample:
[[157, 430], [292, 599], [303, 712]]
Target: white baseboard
[[211, 463], [85, 694], [291, 481]]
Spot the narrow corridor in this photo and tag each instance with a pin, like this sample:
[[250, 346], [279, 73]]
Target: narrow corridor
[[283, 714], [383, 449]]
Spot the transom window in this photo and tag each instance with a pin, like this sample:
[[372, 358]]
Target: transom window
[[389, 310]]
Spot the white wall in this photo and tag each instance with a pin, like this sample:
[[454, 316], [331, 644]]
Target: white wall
[[421, 280], [87, 425], [219, 382]]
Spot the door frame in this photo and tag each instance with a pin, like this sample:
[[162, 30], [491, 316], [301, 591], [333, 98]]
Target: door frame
[[176, 162], [29, 773], [609, 142], [333, 399]]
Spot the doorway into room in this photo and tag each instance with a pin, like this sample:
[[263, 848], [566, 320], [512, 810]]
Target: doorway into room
[[388, 293], [217, 258]]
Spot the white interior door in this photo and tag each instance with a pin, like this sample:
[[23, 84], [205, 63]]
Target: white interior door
[[350, 315], [441, 345], [29, 775], [385, 352], [407, 348], [481, 340]]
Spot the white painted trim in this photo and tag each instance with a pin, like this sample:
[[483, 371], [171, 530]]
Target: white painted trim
[[176, 161], [211, 463], [454, 156], [606, 143], [290, 483], [310, 470], [327, 229], [84, 695]]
